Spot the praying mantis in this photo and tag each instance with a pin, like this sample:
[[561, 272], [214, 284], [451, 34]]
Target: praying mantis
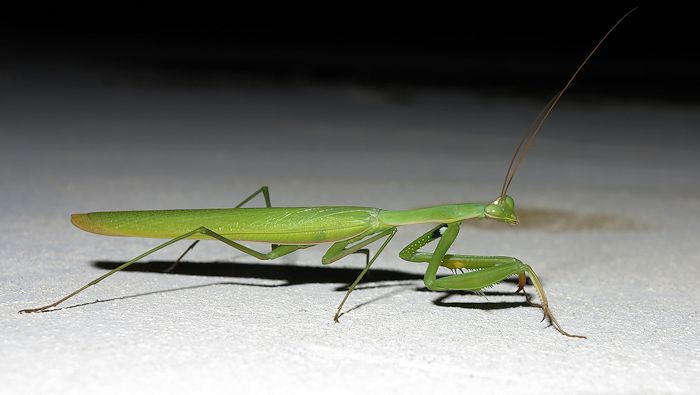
[[350, 229]]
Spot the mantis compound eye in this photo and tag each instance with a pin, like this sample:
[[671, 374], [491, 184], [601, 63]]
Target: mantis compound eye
[[494, 211], [508, 202]]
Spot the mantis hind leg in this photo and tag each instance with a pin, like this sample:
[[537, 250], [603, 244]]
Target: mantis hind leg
[[342, 249], [276, 252], [266, 195], [485, 270]]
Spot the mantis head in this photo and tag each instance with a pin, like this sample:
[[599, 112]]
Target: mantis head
[[502, 209]]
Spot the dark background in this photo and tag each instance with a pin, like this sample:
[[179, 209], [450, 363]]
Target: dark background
[[493, 50]]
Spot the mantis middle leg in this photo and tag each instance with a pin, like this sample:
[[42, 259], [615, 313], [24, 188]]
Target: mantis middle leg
[[342, 249], [485, 270], [266, 195]]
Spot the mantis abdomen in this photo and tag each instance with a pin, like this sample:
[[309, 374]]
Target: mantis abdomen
[[279, 225]]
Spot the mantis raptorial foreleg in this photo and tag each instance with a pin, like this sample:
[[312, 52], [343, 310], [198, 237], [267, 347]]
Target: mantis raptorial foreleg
[[276, 252], [340, 250], [266, 195], [485, 270], [454, 261]]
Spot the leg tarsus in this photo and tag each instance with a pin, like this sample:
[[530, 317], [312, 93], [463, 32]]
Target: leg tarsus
[[43, 309], [545, 305], [558, 327]]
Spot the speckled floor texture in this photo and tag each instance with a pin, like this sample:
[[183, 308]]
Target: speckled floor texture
[[608, 199]]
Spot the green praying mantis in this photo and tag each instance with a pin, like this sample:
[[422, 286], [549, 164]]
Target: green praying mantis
[[350, 229]]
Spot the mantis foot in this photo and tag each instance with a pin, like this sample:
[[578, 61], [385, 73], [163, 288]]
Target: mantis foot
[[553, 321]]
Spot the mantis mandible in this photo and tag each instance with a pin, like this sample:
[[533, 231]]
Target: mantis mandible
[[350, 229]]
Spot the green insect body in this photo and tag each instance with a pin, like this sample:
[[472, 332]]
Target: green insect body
[[350, 229], [278, 225]]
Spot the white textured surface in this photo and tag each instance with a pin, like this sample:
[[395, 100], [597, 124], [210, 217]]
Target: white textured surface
[[609, 203]]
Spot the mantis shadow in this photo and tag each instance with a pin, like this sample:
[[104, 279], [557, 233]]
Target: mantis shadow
[[291, 275], [442, 301]]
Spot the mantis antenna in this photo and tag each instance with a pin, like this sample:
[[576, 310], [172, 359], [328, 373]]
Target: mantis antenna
[[525, 143]]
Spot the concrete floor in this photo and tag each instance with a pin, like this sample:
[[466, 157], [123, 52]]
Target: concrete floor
[[608, 199]]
